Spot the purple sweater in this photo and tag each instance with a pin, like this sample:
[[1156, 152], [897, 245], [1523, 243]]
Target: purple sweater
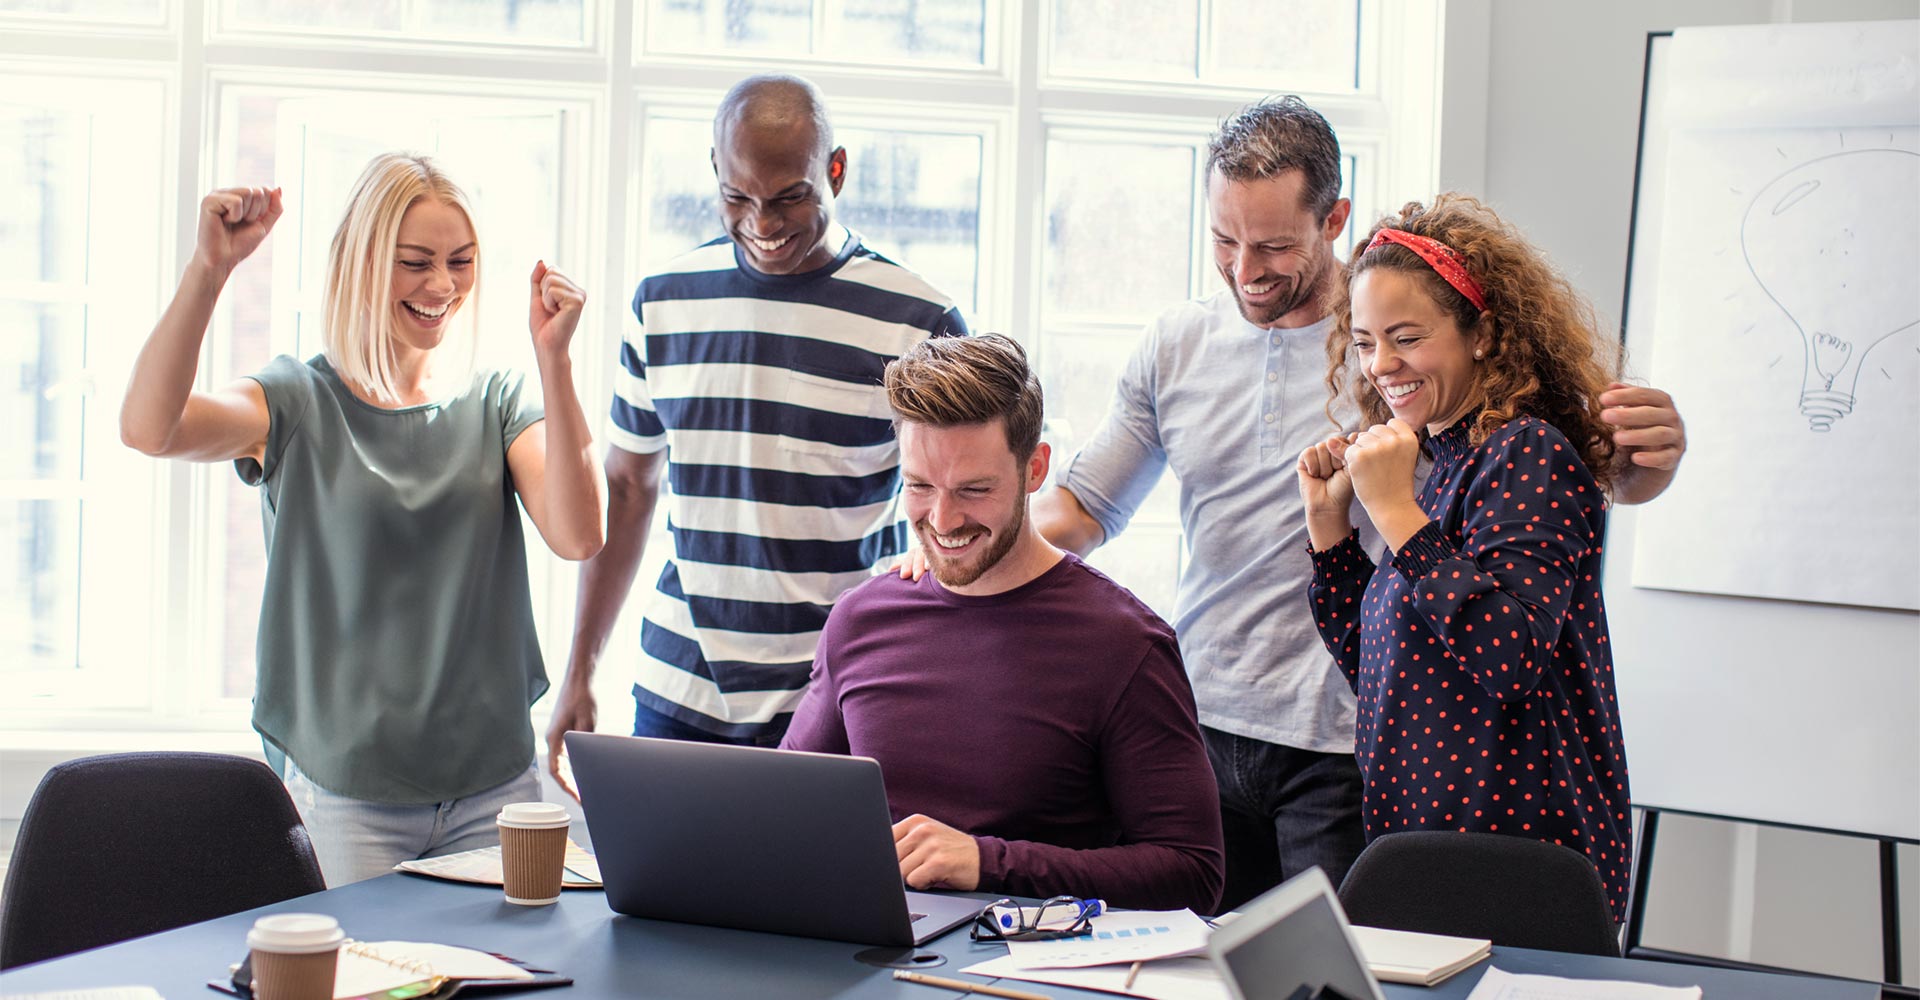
[[1054, 722]]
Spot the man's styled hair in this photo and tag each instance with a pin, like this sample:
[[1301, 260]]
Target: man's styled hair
[[955, 381], [1270, 137], [357, 331]]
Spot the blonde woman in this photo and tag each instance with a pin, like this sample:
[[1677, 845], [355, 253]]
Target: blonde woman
[[396, 655]]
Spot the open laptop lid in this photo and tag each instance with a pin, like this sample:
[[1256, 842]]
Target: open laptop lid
[[1293, 943], [757, 839]]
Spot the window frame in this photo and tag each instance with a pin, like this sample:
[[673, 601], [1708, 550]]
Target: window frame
[[1390, 125]]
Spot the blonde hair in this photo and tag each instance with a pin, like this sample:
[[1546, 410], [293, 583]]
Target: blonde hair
[[358, 323]]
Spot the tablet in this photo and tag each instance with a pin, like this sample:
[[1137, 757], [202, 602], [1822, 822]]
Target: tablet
[[1293, 943]]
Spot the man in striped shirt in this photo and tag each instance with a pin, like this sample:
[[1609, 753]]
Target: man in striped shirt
[[753, 375]]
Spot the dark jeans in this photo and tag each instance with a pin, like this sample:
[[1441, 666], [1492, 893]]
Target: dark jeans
[[647, 722], [1283, 811]]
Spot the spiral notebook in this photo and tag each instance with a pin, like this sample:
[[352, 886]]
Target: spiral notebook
[[405, 969], [372, 967]]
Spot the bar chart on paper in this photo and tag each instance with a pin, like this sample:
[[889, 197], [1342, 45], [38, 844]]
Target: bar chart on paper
[[1139, 936]]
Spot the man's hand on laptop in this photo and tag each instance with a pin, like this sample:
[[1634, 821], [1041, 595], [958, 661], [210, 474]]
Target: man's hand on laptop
[[934, 855]]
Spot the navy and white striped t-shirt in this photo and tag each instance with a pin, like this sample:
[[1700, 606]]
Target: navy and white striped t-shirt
[[783, 471]]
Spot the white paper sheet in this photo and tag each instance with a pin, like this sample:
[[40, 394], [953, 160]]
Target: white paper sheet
[[1500, 985], [1128, 936], [1167, 979], [95, 993]]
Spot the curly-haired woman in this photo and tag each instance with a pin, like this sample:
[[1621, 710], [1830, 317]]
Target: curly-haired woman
[[1479, 648]]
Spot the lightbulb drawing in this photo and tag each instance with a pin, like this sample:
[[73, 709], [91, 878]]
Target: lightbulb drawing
[[1814, 239]]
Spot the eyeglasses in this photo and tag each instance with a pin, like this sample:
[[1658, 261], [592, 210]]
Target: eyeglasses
[[1054, 919]]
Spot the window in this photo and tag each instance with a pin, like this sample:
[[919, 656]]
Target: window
[[1312, 45], [77, 280], [951, 33], [1040, 164], [507, 22]]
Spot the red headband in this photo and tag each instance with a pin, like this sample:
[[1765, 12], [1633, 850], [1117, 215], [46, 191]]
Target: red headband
[[1438, 256]]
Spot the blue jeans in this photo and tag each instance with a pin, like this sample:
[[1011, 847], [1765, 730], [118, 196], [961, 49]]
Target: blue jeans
[[647, 722], [1283, 811], [356, 839]]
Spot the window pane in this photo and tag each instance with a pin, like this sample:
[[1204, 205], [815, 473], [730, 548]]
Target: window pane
[[914, 194], [39, 604], [1296, 45], [78, 238], [1078, 373], [1362, 217], [287, 15], [1119, 228], [731, 25], [940, 30], [681, 200], [1146, 560], [916, 198], [517, 21], [41, 352], [555, 21], [870, 31], [132, 11], [43, 193], [1125, 39]]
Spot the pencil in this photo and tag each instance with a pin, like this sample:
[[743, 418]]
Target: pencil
[[963, 986], [1131, 973]]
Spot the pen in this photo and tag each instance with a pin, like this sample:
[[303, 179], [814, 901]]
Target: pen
[[1131, 973], [963, 986]]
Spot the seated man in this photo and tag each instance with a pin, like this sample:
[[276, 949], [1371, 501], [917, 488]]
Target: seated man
[[1032, 718]]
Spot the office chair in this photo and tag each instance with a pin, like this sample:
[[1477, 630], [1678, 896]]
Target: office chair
[[1511, 890], [123, 845]]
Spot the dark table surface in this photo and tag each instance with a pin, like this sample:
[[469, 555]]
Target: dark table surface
[[612, 955]]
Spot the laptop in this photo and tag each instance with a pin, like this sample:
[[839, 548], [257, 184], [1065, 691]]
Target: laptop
[[1293, 943], [756, 839]]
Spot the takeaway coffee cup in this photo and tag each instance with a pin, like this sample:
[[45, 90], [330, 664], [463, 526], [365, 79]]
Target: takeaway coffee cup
[[533, 851], [294, 955]]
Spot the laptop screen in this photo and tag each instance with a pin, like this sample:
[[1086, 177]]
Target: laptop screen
[[1293, 944]]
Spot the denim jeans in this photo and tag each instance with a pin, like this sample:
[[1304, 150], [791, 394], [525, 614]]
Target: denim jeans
[[647, 722], [1283, 811], [356, 839]]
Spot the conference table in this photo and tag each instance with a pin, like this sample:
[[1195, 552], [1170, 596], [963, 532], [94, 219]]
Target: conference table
[[608, 954]]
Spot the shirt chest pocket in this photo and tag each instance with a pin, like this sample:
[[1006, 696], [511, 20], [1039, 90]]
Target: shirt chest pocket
[[828, 413]]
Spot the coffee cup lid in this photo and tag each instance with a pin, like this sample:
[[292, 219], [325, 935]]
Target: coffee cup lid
[[534, 815], [295, 933]]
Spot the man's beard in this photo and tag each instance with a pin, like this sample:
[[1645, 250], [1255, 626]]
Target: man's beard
[[1298, 290], [999, 543]]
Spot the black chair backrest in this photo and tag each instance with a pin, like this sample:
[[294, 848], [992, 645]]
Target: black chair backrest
[[123, 845], [1511, 890]]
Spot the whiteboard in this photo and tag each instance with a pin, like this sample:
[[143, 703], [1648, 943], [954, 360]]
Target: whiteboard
[[1781, 710]]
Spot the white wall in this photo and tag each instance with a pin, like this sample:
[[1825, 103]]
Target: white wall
[[1561, 84]]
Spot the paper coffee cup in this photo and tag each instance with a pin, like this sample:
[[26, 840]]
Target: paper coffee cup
[[533, 851], [294, 956]]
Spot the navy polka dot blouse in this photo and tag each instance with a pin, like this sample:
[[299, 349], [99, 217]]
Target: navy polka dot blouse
[[1480, 654]]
